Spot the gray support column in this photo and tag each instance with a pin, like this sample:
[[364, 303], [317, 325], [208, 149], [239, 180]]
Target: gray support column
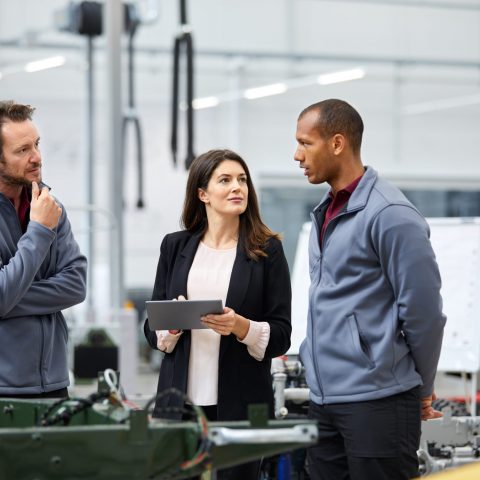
[[89, 176], [236, 68], [397, 113], [113, 23]]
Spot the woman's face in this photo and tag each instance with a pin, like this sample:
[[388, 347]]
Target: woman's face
[[227, 190]]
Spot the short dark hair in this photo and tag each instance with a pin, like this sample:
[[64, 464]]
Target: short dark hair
[[337, 116], [13, 112], [253, 234]]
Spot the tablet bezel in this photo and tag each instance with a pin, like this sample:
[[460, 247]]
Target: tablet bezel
[[180, 314]]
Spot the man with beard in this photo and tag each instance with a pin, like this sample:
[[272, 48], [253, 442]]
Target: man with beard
[[41, 268]]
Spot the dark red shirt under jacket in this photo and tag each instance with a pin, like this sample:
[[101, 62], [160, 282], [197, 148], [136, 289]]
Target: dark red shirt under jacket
[[23, 209], [337, 203]]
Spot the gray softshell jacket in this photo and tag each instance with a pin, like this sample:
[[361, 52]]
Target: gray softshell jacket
[[375, 321], [41, 272]]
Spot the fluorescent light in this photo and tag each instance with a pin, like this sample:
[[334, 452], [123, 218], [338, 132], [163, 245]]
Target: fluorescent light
[[277, 88], [205, 102], [265, 91], [44, 64], [342, 76], [442, 104]]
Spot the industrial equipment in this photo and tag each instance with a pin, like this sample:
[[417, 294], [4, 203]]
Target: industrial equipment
[[290, 387], [448, 442], [106, 437]]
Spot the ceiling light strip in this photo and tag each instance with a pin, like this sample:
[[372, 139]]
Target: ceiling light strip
[[44, 64]]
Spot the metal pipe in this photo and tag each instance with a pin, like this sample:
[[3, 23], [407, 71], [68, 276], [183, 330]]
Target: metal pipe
[[297, 433], [236, 68], [397, 117], [297, 395], [279, 382], [113, 19], [417, 4], [264, 55], [89, 177]]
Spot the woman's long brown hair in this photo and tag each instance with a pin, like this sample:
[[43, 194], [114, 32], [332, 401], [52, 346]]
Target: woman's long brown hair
[[253, 233]]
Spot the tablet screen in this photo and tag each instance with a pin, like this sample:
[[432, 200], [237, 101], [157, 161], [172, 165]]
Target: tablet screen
[[180, 315]]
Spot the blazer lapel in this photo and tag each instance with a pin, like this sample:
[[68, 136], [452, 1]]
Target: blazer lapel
[[238, 287], [182, 267], [179, 280]]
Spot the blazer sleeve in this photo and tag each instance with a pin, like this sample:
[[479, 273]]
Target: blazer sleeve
[[277, 300], [159, 290]]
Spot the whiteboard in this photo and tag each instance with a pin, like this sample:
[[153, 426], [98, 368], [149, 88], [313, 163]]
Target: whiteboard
[[456, 243], [300, 286]]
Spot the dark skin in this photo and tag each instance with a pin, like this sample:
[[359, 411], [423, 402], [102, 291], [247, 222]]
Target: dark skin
[[329, 160], [332, 160]]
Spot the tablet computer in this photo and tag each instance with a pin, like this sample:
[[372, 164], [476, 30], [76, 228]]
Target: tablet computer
[[180, 314]]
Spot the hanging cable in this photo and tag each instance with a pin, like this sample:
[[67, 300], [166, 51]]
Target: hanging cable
[[131, 115], [183, 43]]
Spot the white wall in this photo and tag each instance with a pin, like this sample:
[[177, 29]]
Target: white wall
[[412, 55]]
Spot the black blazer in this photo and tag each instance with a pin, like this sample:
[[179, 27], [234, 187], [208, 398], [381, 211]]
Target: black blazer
[[258, 290]]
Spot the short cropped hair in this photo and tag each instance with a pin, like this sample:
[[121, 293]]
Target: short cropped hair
[[337, 116]]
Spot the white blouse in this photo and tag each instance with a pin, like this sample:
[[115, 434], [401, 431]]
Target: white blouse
[[209, 278]]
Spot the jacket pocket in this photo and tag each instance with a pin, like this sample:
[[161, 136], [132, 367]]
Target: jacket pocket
[[311, 378], [63, 323], [360, 344]]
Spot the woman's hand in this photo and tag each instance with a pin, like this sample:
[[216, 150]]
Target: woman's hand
[[228, 322], [180, 298]]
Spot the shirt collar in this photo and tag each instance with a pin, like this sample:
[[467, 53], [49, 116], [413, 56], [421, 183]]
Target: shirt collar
[[349, 189], [24, 197]]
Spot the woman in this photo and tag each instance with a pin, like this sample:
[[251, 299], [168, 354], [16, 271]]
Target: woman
[[226, 252]]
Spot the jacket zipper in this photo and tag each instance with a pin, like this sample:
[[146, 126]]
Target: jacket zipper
[[341, 214], [41, 322], [321, 246], [314, 356], [41, 355]]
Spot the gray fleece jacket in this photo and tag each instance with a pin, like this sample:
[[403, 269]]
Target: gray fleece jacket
[[375, 321], [41, 272]]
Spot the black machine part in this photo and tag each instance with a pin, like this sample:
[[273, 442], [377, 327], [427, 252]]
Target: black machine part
[[131, 115], [86, 18], [183, 43]]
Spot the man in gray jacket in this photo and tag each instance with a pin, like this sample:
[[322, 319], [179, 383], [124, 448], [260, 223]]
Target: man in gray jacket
[[41, 268], [375, 321]]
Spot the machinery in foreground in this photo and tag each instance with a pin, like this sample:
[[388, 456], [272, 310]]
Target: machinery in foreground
[[106, 437], [449, 442]]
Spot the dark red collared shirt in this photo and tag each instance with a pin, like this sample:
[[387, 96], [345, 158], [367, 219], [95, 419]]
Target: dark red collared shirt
[[23, 209], [337, 203]]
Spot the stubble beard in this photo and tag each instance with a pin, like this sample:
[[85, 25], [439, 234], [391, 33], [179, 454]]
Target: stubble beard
[[13, 180]]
